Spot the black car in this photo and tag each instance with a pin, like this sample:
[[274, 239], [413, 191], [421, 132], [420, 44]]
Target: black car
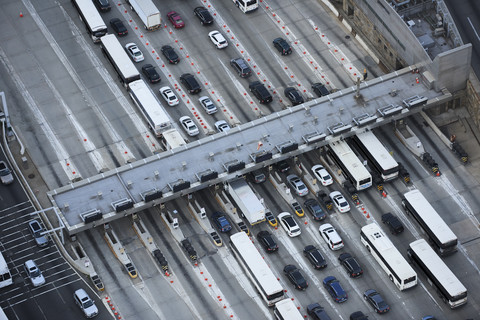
[[293, 95], [118, 27], [376, 300], [393, 223], [241, 66], [283, 166], [314, 208], [358, 315], [316, 312], [351, 265], [315, 257], [204, 15], [282, 46], [258, 176], [260, 92], [267, 241], [320, 89], [170, 54], [295, 276], [189, 81], [335, 289], [151, 74], [102, 5]]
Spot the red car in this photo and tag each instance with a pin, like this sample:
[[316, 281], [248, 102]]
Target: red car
[[176, 20]]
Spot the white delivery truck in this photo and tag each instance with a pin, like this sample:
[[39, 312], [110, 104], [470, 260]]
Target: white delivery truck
[[252, 208], [148, 13]]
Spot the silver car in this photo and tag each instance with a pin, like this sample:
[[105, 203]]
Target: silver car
[[5, 174], [33, 273], [36, 230]]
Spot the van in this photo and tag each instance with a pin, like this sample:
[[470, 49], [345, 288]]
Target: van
[[86, 304]]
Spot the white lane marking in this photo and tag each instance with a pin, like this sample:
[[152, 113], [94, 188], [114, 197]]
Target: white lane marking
[[474, 30], [60, 152], [180, 290]]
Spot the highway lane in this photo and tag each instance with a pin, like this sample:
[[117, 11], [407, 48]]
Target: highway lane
[[466, 17]]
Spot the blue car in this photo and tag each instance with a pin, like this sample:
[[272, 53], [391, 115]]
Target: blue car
[[221, 221], [335, 289]]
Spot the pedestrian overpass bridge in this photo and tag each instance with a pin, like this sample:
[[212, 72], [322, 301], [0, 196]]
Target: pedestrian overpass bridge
[[259, 143]]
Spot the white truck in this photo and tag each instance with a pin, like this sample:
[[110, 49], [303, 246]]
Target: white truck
[[148, 13], [252, 207]]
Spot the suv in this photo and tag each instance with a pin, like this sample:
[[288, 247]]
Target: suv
[[331, 237], [33, 273], [393, 223], [241, 66], [282, 46], [260, 92], [320, 89], [189, 81], [5, 173], [204, 15], [36, 229], [86, 304], [221, 221]]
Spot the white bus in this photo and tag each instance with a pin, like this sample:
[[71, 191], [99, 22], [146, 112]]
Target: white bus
[[286, 310], [171, 139], [449, 288], [91, 18], [256, 268], [388, 257], [246, 5], [158, 120], [5, 276], [441, 236], [351, 166], [117, 56], [378, 157]]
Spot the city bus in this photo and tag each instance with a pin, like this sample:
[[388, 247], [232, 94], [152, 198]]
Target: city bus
[[246, 5], [153, 112], [439, 276], [440, 235], [351, 166], [114, 52], [5, 276], [286, 310], [256, 268], [388, 257], [91, 18], [378, 157]]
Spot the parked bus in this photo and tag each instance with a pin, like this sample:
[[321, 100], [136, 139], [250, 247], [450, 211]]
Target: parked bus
[[388, 257], [351, 166], [171, 139], [286, 310], [450, 289], [246, 5], [5, 276], [256, 268], [378, 157], [158, 120], [441, 236], [3, 316], [117, 56], [91, 18]]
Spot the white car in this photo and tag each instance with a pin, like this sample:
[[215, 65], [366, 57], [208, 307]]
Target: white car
[[207, 105], [331, 236], [86, 304], [297, 184], [340, 202], [218, 39], [169, 96], [289, 224], [222, 126], [322, 175], [33, 273], [189, 126], [134, 52]]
